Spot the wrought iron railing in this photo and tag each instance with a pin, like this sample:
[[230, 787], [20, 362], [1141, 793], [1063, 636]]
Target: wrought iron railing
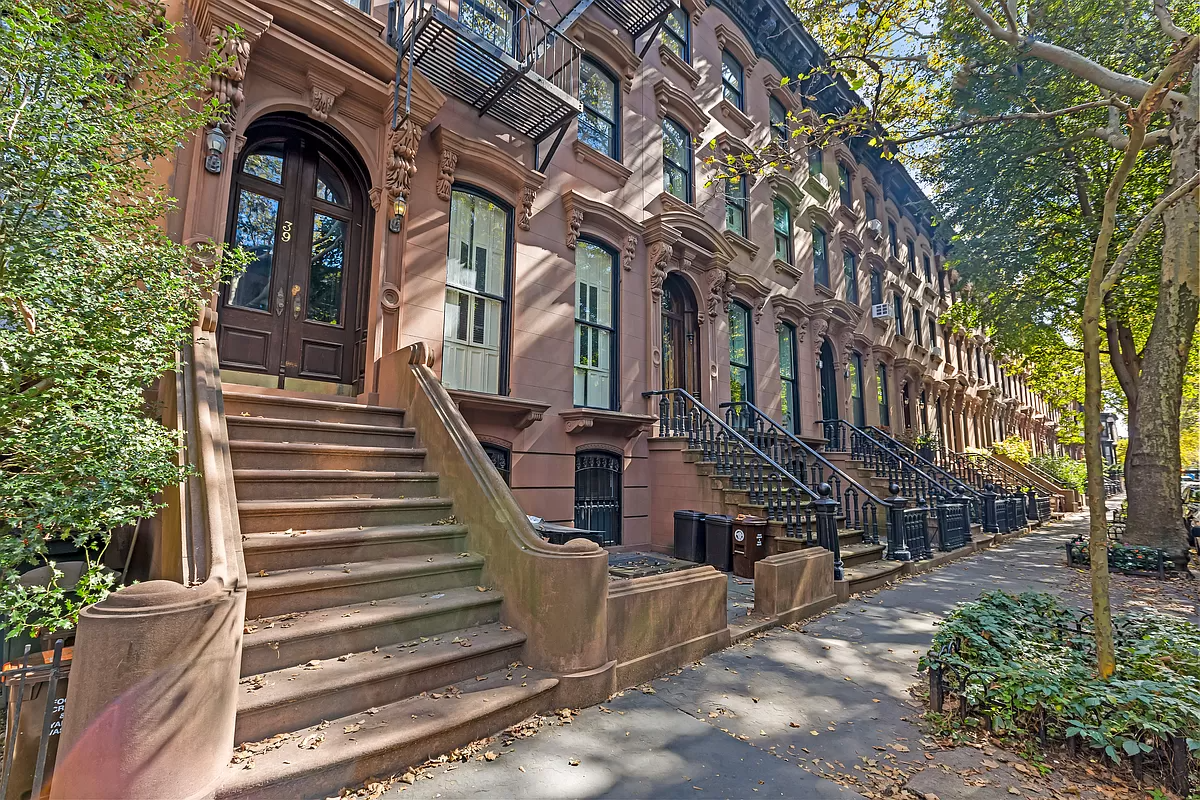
[[914, 482], [767, 483], [27, 679], [950, 482], [861, 508]]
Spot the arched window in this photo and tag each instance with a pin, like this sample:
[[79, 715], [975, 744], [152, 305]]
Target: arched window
[[595, 325], [677, 34], [820, 257], [783, 230], [845, 185], [816, 160], [677, 160], [850, 273], [876, 287], [898, 312], [893, 244], [599, 124], [741, 355], [789, 395], [916, 320], [911, 255], [869, 199], [598, 494], [732, 80]]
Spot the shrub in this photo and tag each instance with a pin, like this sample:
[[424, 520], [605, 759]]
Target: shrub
[[1024, 660], [1015, 448], [1067, 471]]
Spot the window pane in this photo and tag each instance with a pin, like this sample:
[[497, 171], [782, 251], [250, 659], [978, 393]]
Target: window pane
[[594, 279], [850, 267], [675, 33], [779, 125], [677, 160], [330, 187], [735, 205], [266, 162], [255, 233], [820, 263], [599, 96], [816, 161], [731, 78], [325, 270], [787, 356], [491, 19], [739, 344], [476, 264], [870, 201]]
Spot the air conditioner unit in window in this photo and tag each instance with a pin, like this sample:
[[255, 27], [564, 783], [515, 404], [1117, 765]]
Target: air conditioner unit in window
[[881, 311], [875, 227]]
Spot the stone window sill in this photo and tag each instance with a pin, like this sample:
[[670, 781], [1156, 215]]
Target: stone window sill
[[735, 115], [668, 57], [602, 422], [480, 408], [741, 242], [590, 155], [784, 268]]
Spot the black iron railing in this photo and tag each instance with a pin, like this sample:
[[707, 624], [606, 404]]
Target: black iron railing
[[767, 483], [914, 482], [952, 485], [859, 506], [40, 682]]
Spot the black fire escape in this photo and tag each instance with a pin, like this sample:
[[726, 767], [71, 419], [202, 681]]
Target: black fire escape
[[506, 58]]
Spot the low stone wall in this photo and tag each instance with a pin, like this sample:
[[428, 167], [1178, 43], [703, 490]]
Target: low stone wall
[[660, 622], [793, 585]]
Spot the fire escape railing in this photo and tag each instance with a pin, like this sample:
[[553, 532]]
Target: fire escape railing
[[860, 507]]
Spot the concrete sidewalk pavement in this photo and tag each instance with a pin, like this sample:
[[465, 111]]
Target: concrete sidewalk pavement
[[763, 717]]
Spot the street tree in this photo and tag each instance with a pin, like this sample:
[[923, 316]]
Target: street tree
[[94, 296]]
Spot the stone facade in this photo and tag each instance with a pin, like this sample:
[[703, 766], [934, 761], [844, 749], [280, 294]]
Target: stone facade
[[325, 68]]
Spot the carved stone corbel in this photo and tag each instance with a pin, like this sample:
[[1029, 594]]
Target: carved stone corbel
[[660, 254], [628, 251], [759, 309], [225, 84], [403, 142], [447, 163], [574, 223], [845, 342], [528, 193], [322, 93], [718, 295], [820, 328]]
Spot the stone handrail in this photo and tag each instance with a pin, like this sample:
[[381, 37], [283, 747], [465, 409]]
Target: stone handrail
[[153, 690], [555, 594]]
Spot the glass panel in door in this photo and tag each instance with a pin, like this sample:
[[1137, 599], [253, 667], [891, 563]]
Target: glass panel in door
[[257, 216]]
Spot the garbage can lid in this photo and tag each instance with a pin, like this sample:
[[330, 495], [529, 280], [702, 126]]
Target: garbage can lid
[[688, 514]]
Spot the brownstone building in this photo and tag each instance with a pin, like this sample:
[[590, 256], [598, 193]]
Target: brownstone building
[[521, 209]]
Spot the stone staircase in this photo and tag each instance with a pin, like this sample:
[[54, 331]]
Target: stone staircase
[[863, 564], [372, 639]]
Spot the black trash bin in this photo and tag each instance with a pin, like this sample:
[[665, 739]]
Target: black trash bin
[[749, 544], [718, 541], [689, 535]]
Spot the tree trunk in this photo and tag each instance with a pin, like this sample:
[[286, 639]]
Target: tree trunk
[[1153, 462]]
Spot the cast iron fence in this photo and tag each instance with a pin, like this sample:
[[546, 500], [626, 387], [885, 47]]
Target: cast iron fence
[[41, 681]]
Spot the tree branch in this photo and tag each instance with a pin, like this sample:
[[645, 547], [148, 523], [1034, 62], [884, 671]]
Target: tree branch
[[1167, 24], [1015, 116], [1139, 233]]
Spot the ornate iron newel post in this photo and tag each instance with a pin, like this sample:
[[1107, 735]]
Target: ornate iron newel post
[[989, 509], [897, 543], [827, 532]]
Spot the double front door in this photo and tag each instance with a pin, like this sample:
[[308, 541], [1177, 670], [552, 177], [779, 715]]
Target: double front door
[[680, 359], [297, 212]]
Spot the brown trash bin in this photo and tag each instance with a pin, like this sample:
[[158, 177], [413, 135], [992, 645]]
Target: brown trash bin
[[749, 544]]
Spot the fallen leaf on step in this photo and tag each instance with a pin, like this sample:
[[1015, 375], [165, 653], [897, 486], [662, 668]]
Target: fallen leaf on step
[[314, 664], [262, 573], [793, 725], [899, 748], [489, 756], [481, 588], [574, 762], [521, 769], [409, 778], [312, 741], [464, 555], [355, 728]]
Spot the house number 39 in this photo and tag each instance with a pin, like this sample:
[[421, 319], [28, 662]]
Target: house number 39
[[287, 230]]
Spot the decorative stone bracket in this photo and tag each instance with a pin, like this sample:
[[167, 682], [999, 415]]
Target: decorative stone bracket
[[597, 217], [480, 159]]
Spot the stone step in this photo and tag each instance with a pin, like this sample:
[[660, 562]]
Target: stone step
[[270, 429], [273, 643], [289, 699], [263, 516], [284, 484], [306, 589], [397, 736], [307, 455], [305, 548], [872, 575], [243, 399], [861, 553]]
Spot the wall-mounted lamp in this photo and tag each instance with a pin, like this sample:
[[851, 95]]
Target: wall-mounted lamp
[[216, 142], [399, 209]]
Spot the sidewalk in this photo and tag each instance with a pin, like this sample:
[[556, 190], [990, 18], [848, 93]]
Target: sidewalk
[[763, 717]]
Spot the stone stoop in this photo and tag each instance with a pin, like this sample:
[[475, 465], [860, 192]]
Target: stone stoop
[[863, 564], [371, 642]]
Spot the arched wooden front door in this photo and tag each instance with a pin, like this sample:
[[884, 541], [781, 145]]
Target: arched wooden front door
[[299, 209], [680, 360], [829, 398]]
